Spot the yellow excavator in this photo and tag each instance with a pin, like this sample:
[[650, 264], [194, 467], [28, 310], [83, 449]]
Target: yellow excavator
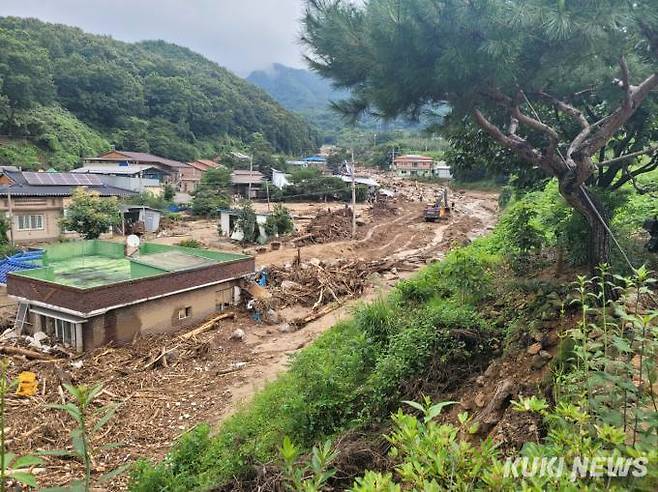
[[439, 211]]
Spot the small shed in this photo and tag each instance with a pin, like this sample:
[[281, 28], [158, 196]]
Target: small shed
[[139, 219]]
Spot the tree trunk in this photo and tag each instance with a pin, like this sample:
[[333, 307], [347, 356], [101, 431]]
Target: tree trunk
[[599, 242]]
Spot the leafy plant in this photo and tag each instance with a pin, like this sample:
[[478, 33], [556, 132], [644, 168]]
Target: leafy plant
[[11, 465], [89, 422], [90, 215], [246, 221], [279, 222], [310, 477]]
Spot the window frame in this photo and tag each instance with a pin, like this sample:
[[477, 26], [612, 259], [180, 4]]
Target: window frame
[[31, 222]]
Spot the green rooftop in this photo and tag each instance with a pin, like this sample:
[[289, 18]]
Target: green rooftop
[[88, 264]]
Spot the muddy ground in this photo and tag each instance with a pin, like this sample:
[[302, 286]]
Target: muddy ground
[[204, 379]]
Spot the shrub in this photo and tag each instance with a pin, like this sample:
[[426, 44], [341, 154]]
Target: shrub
[[279, 223]]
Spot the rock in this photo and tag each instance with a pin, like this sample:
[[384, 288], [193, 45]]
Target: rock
[[491, 370], [538, 362], [314, 261], [286, 328], [238, 335], [480, 380], [466, 405], [545, 355], [550, 339], [272, 317], [493, 412], [238, 365], [172, 356], [360, 222], [534, 349], [479, 400]]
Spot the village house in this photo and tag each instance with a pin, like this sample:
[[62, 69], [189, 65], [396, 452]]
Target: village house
[[172, 169], [139, 178], [247, 184], [420, 165], [192, 174], [35, 202], [413, 165], [89, 293]]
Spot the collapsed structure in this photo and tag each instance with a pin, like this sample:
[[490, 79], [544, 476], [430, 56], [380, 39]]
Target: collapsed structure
[[88, 293]]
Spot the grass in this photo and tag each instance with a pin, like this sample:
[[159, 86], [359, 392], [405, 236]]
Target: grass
[[355, 374]]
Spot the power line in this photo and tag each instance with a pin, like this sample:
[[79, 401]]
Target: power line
[[585, 193]]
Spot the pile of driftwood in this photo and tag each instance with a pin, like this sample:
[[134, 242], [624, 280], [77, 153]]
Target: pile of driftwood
[[383, 208], [327, 226], [315, 284]]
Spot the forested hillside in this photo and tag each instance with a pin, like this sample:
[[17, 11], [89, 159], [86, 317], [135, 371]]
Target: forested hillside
[[69, 93], [311, 95]]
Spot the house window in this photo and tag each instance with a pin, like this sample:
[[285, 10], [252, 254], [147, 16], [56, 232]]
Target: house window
[[185, 312], [65, 332], [30, 222]]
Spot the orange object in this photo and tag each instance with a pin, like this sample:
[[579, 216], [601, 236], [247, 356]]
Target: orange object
[[27, 384]]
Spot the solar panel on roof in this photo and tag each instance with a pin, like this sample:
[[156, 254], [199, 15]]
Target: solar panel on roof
[[62, 179]]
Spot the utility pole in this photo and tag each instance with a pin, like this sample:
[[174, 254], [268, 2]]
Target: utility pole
[[11, 218], [353, 198], [267, 187], [251, 171]]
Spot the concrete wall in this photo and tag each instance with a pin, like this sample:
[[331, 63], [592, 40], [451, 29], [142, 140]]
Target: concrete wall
[[154, 317], [52, 210]]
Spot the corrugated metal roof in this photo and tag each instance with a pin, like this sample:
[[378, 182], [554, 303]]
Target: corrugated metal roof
[[240, 176], [145, 157], [130, 170]]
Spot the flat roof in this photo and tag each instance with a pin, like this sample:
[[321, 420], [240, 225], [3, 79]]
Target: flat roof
[[90, 264]]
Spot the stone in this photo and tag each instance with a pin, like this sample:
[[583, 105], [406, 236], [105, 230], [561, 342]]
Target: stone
[[480, 380], [545, 355], [491, 370], [479, 400], [272, 317], [534, 349], [538, 362], [286, 328], [238, 335], [550, 339], [315, 262]]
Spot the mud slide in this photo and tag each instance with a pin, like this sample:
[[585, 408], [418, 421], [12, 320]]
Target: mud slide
[[475, 215]]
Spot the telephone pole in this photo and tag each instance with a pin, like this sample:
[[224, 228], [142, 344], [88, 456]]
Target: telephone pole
[[353, 198]]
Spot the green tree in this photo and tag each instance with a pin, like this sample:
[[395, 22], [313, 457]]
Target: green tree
[[25, 73], [497, 61], [247, 221], [90, 215], [168, 193], [218, 178], [279, 222]]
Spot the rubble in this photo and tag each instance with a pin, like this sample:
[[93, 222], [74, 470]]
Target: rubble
[[315, 284], [327, 226]]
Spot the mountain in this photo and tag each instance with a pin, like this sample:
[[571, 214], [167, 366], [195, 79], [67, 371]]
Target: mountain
[[148, 96], [310, 95], [296, 89]]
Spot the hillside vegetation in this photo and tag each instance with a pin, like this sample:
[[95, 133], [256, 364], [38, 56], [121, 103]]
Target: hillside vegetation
[[431, 336], [69, 93]]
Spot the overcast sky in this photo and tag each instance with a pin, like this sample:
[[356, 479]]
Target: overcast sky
[[242, 35]]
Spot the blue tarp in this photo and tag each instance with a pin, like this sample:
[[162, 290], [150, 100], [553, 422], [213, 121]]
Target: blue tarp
[[26, 260]]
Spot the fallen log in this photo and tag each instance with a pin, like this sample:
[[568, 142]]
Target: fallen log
[[300, 322], [30, 354], [207, 326]]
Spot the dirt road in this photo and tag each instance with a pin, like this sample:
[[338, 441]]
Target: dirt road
[[207, 378]]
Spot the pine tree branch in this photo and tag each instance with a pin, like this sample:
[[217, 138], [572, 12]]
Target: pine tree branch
[[633, 98], [650, 150]]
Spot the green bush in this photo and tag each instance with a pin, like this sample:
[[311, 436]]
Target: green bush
[[279, 223]]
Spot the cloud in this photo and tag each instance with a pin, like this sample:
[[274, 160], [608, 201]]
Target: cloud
[[242, 35]]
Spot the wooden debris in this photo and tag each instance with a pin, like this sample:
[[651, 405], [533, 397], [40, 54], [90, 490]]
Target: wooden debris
[[209, 325], [29, 354]]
